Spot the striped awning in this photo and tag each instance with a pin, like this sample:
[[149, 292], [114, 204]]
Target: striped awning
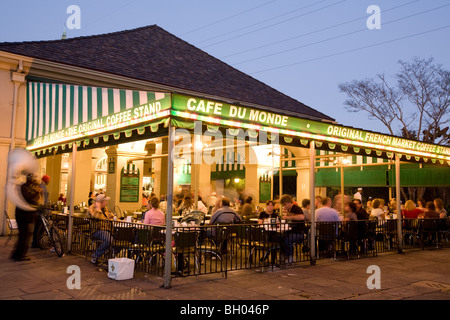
[[230, 165], [59, 113]]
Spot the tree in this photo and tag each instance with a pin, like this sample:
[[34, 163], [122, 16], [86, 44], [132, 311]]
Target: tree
[[416, 106]]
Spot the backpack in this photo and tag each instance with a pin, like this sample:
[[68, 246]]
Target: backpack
[[196, 216]]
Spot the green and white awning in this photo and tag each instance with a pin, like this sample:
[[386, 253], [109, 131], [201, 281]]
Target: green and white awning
[[59, 113], [299, 131], [230, 165]]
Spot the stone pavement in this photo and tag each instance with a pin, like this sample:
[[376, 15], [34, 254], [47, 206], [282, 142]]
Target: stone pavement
[[414, 275]]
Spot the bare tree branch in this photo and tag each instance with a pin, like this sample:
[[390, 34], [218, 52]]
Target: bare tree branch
[[417, 105]]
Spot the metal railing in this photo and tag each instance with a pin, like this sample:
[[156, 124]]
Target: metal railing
[[205, 249]]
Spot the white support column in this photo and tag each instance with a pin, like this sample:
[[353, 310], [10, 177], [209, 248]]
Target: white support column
[[280, 171], [170, 177], [398, 198], [72, 197], [312, 196]]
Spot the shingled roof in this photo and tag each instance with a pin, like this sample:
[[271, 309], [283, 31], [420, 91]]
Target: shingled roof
[[152, 54]]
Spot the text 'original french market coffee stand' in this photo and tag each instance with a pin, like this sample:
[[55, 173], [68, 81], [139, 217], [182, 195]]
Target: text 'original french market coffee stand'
[[199, 120]]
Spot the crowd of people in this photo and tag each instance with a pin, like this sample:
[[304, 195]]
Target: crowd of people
[[285, 209], [327, 209]]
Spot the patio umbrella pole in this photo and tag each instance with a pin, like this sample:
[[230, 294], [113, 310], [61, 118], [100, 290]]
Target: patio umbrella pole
[[170, 176]]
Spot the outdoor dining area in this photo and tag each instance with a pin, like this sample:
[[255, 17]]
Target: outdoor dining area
[[199, 248]]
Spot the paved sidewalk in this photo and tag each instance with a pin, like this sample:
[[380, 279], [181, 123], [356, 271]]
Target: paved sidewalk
[[416, 275]]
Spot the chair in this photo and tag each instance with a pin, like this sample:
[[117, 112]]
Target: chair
[[140, 247], [243, 241], [185, 245], [411, 230], [327, 236], [444, 229], [216, 248], [123, 239], [13, 228], [156, 250], [369, 237], [80, 234], [391, 233], [350, 238], [261, 241], [430, 228]]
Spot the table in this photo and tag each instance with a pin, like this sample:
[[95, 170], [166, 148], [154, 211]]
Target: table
[[275, 227]]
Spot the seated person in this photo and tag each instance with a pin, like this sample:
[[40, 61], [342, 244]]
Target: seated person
[[410, 211], [268, 213], [293, 213], [326, 212], [100, 211], [153, 215], [186, 206], [224, 215], [201, 206], [248, 210], [430, 211]]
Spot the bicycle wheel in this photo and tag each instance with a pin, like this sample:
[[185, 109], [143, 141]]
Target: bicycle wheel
[[57, 244]]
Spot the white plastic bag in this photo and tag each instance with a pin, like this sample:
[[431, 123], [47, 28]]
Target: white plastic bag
[[120, 268]]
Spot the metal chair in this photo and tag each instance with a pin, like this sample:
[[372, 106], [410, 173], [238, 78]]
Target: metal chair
[[157, 248], [327, 235], [444, 230], [13, 228], [430, 228], [369, 237], [350, 232], [260, 241], [123, 239], [185, 245], [391, 233], [214, 247], [411, 231]]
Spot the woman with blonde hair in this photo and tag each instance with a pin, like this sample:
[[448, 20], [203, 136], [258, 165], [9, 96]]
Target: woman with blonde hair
[[377, 211], [410, 211]]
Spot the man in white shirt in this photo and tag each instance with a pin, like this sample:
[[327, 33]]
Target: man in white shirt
[[358, 195]]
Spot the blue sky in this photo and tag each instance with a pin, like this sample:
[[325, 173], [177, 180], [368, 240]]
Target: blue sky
[[304, 49]]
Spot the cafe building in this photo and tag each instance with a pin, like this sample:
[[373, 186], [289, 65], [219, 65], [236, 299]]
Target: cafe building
[[141, 111]]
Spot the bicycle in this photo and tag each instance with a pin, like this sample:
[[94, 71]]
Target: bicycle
[[50, 238]]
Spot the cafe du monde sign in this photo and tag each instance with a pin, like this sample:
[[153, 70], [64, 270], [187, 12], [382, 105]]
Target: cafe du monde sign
[[230, 115], [212, 111]]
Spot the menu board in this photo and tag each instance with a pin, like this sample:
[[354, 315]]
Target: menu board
[[264, 189], [129, 184]]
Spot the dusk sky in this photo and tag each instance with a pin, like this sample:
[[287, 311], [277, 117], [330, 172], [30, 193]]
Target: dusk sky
[[304, 49]]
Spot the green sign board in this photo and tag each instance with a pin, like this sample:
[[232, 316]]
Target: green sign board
[[221, 113], [129, 184], [265, 190]]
